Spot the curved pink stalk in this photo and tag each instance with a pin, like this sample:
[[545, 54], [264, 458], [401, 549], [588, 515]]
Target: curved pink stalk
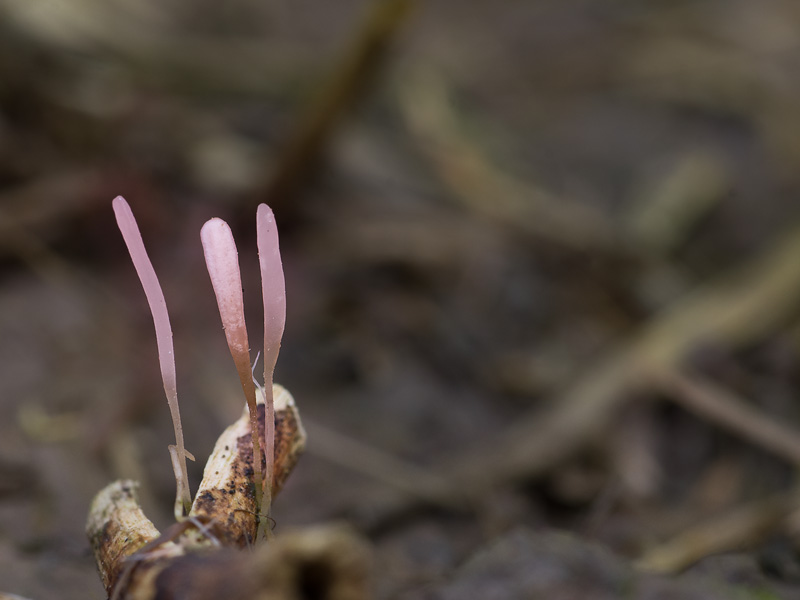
[[273, 290], [166, 355], [222, 261]]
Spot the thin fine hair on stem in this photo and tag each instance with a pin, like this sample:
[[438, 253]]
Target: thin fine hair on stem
[[166, 354]]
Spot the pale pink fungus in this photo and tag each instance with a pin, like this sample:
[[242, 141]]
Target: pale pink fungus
[[222, 260], [273, 290], [166, 355]]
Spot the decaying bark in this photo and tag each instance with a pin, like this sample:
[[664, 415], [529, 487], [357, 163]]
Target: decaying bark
[[226, 498], [211, 553]]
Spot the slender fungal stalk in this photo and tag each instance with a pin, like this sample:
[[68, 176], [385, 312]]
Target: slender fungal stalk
[[273, 290], [166, 355], [222, 261]]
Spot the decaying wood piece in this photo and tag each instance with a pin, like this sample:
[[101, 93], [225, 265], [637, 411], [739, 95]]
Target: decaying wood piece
[[185, 562], [205, 556], [117, 528], [226, 496]]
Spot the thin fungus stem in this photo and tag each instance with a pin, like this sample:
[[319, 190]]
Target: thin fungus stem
[[273, 289], [166, 355], [222, 261]]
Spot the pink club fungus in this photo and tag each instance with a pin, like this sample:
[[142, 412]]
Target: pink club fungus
[[227, 513], [223, 268], [166, 354], [222, 261], [273, 291]]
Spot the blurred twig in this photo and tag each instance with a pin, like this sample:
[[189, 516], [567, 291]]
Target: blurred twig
[[381, 466], [719, 405], [426, 105], [666, 213], [345, 86], [739, 528], [718, 77], [140, 36], [732, 311], [414, 240], [724, 79]]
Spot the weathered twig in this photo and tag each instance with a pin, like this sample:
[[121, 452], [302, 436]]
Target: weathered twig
[[226, 496], [337, 96], [134, 557], [739, 528], [186, 563], [674, 204], [732, 311], [722, 407], [410, 479], [425, 102]]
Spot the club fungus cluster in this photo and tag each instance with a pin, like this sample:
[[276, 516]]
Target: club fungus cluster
[[222, 261], [248, 466]]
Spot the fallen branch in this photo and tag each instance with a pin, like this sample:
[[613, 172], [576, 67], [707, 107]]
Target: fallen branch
[[202, 556], [723, 408], [337, 96], [483, 189], [732, 311], [742, 527], [186, 562], [382, 466]]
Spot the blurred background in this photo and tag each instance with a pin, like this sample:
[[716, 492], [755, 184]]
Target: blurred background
[[542, 263]]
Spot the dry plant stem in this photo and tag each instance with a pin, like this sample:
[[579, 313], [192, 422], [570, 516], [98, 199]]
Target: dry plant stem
[[166, 353], [732, 311], [666, 213], [283, 569], [483, 189], [720, 406], [137, 561], [117, 528], [222, 260], [343, 89], [737, 529], [224, 496], [382, 466], [273, 291]]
